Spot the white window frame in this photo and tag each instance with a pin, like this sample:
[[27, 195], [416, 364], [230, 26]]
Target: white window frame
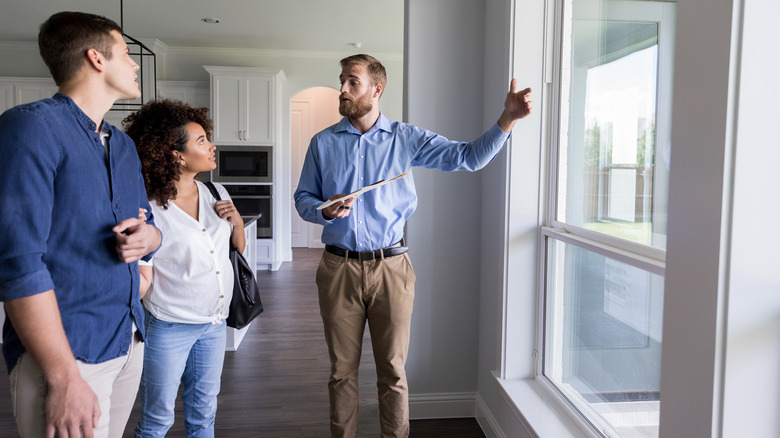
[[536, 386]]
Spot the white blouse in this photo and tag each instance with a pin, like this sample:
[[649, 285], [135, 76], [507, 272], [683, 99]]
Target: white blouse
[[192, 280]]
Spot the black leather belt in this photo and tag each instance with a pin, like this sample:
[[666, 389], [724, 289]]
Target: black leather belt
[[390, 251]]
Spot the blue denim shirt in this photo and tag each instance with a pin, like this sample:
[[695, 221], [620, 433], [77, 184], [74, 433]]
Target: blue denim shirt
[[59, 201], [341, 159]]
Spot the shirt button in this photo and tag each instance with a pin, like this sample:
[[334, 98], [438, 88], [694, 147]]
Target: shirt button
[[222, 296], [217, 272], [360, 222], [204, 230], [362, 156], [211, 252]]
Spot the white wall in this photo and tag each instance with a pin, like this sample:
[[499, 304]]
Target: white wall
[[721, 353], [752, 368]]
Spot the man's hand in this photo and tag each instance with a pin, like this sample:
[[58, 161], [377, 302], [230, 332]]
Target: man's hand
[[72, 409], [340, 209], [517, 105], [135, 239]]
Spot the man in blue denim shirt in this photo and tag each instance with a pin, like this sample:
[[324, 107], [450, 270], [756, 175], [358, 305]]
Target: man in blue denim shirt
[[70, 237]]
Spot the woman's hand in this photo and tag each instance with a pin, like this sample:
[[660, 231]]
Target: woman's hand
[[226, 210]]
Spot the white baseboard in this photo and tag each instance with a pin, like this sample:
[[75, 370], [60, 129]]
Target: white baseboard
[[442, 405], [487, 421]]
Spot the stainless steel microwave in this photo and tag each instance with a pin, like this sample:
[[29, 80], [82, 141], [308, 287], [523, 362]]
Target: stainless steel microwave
[[244, 164]]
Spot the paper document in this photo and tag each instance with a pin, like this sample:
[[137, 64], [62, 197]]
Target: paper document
[[361, 191]]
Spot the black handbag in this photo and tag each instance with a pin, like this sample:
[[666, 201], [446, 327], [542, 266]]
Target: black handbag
[[246, 304]]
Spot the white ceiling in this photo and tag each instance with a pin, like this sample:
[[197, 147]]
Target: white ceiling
[[300, 25]]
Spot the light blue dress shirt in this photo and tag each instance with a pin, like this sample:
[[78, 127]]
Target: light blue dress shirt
[[341, 160]]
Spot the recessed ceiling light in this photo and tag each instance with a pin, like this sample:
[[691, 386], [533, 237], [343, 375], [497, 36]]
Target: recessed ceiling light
[[210, 20], [356, 44]]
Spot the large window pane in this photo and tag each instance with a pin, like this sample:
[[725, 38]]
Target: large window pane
[[603, 339], [614, 127]]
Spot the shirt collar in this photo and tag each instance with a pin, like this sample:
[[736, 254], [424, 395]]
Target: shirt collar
[[83, 119], [344, 125]]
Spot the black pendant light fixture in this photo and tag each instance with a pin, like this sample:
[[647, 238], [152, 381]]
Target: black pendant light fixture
[[147, 69]]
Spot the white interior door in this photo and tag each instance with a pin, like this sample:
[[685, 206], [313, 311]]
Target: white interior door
[[311, 111], [299, 125]]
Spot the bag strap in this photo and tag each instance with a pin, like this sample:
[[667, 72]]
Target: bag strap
[[213, 190], [216, 196]]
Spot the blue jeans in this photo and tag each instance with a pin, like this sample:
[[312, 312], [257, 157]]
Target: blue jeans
[[191, 354]]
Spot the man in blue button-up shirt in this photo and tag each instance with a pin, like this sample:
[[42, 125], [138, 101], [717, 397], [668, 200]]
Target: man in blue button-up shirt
[[365, 273], [70, 237]]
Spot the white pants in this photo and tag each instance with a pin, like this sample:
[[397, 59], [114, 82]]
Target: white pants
[[114, 382]]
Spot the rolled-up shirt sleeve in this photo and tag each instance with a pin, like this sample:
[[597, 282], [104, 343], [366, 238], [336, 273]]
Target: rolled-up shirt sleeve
[[26, 203]]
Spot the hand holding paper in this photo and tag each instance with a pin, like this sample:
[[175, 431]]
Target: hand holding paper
[[360, 191]]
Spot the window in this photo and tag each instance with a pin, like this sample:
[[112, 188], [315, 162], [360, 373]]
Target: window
[[605, 236]]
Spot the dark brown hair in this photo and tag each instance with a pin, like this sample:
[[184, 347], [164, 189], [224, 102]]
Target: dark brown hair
[[375, 68], [158, 129], [65, 37]]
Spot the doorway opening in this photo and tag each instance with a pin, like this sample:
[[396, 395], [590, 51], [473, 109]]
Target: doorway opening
[[311, 111]]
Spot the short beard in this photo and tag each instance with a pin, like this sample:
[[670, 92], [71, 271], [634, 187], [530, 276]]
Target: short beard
[[357, 109]]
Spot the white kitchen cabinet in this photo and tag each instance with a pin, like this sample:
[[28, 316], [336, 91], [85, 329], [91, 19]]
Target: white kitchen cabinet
[[265, 254], [233, 337], [246, 108], [6, 97], [245, 105], [16, 91]]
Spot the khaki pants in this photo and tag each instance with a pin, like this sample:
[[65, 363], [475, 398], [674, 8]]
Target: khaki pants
[[381, 292], [114, 382]]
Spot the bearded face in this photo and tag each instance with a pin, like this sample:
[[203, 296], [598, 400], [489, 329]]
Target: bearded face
[[355, 107]]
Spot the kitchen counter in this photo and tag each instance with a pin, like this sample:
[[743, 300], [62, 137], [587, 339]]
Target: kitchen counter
[[233, 336]]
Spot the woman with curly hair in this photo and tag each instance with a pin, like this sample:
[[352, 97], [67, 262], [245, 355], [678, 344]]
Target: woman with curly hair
[[190, 279]]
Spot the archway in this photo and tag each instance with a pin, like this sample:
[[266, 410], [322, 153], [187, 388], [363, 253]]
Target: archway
[[311, 111]]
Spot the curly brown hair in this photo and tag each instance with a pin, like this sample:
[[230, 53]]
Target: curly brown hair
[[158, 129]]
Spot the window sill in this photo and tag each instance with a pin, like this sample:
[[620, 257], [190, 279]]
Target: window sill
[[537, 408]]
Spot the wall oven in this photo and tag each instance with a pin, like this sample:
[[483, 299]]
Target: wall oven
[[251, 200], [243, 164]]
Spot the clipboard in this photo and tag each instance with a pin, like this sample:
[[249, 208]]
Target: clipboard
[[361, 191]]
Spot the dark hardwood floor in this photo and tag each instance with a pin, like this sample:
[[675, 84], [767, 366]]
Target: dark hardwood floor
[[275, 385]]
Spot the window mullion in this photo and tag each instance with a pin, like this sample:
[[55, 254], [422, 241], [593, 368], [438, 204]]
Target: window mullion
[[630, 253]]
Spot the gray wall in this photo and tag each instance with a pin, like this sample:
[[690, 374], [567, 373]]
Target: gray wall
[[444, 94]]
